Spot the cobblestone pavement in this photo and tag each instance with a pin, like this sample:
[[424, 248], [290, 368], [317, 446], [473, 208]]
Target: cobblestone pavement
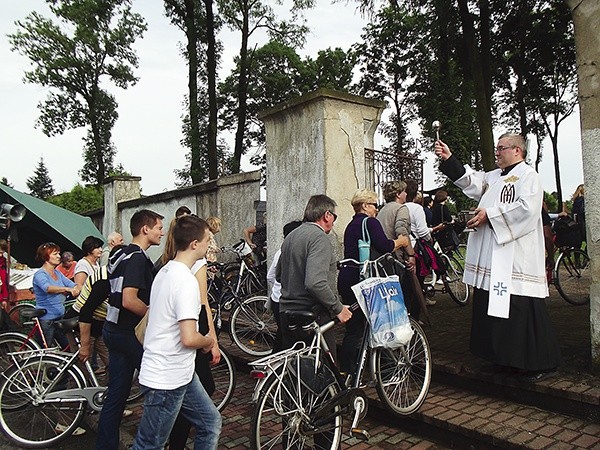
[[497, 420], [237, 417]]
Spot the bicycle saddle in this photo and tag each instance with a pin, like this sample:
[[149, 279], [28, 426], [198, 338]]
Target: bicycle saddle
[[67, 324], [299, 318], [31, 313]]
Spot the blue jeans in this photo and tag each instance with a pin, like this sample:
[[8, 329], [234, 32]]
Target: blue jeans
[[51, 333], [124, 356], [160, 411]]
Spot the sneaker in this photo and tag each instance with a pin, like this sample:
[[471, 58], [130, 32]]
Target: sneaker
[[127, 412], [59, 428], [430, 302]]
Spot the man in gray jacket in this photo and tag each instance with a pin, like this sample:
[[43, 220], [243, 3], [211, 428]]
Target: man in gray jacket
[[306, 271]]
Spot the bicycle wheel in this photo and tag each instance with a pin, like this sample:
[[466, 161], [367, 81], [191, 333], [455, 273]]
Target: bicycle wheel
[[13, 341], [252, 326], [224, 377], [282, 416], [453, 281], [403, 374], [26, 418], [573, 276]]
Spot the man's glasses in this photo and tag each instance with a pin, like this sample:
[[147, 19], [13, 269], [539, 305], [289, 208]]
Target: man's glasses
[[501, 148], [333, 214]]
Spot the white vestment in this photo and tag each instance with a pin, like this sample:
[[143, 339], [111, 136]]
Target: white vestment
[[513, 203]]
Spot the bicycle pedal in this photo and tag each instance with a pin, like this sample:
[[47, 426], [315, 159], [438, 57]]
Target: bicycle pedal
[[360, 434]]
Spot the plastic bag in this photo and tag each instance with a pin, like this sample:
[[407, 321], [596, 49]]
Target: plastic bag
[[382, 302]]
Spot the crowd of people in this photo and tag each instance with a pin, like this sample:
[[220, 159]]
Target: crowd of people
[[114, 287]]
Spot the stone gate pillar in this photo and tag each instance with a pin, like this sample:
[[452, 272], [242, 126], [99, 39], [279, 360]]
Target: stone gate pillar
[[586, 18], [118, 189], [315, 145]]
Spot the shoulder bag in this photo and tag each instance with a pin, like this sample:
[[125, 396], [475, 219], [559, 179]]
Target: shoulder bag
[[364, 244]]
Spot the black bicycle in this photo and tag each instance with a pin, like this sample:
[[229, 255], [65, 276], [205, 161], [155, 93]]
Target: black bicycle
[[301, 397]]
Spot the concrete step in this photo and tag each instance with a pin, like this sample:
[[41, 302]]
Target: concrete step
[[495, 422], [482, 410]]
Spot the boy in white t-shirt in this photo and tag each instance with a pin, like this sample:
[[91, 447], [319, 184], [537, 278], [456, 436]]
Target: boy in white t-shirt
[[172, 337]]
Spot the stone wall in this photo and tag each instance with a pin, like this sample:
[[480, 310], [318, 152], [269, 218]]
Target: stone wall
[[231, 198]]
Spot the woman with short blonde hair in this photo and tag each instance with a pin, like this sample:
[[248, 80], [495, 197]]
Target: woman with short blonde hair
[[364, 202]]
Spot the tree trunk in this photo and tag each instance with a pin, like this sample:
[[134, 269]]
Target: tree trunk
[[192, 39], [97, 142], [481, 78], [554, 140], [242, 92], [586, 18], [211, 63]]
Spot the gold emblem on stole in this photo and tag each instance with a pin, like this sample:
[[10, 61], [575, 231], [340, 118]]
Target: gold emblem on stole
[[511, 179]]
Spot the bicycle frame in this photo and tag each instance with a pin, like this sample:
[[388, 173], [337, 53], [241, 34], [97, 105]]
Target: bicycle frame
[[93, 395]]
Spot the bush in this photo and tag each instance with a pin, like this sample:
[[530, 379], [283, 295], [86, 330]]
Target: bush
[[80, 199]]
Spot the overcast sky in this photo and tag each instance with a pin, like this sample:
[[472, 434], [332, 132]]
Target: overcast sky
[[148, 130]]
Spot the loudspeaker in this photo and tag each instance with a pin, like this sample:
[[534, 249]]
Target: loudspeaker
[[13, 212]]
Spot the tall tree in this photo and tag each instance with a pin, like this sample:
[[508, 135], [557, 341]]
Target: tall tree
[[91, 42], [385, 56], [202, 51], [247, 17], [537, 76], [476, 35], [40, 184], [277, 74]]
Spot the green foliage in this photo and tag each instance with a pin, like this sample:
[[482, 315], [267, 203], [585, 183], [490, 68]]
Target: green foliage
[[91, 42], [248, 18], [277, 74], [40, 184], [551, 202], [80, 199]]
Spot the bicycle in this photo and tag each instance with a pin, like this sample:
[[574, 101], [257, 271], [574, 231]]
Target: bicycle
[[252, 326], [244, 275], [14, 341], [301, 397], [44, 395], [449, 279], [570, 269], [571, 275]]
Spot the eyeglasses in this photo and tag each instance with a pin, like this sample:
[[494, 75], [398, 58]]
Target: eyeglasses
[[333, 214], [501, 148]]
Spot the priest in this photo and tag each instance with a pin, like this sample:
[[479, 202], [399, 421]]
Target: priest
[[505, 262]]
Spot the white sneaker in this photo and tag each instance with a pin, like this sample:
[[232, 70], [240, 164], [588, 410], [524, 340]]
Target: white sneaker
[[62, 428]]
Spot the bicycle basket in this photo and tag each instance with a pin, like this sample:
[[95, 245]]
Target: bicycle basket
[[568, 232]]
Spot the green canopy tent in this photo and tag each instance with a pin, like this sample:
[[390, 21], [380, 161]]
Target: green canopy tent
[[44, 222]]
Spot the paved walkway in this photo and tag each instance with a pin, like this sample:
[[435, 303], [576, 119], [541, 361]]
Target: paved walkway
[[496, 411]]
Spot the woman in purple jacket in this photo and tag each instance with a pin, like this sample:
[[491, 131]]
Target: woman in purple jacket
[[364, 203]]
